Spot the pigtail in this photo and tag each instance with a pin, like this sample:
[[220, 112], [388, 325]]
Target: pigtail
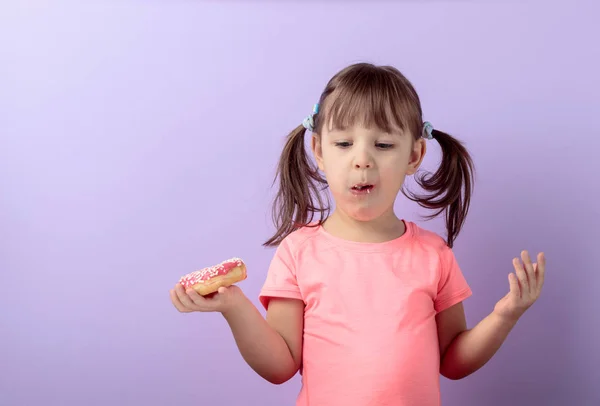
[[450, 187], [300, 183]]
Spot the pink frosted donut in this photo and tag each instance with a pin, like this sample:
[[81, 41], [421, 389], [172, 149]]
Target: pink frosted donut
[[209, 280]]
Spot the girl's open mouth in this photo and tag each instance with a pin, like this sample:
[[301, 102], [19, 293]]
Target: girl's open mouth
[[362, 189]]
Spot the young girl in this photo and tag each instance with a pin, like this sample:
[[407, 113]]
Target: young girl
[[365, 305]]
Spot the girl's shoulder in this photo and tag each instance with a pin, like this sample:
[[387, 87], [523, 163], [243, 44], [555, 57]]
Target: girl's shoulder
[[299, 237], [305, 233], [426, 237]]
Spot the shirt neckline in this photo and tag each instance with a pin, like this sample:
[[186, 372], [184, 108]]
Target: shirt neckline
[[389, 245]]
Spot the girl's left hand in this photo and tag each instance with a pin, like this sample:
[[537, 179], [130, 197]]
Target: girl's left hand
[[525, 287]]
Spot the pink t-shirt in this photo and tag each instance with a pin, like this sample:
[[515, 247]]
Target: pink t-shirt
[[370, 334]]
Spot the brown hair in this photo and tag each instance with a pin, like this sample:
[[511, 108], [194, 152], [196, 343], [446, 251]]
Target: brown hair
[[373, 96]]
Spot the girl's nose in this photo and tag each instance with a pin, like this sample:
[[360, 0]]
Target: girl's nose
[[363, 160]]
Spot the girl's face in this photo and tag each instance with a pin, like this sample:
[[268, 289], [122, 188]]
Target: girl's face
[[366, 168]]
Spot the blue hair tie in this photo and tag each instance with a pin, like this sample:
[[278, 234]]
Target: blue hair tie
[[309, 121], [427, 130]]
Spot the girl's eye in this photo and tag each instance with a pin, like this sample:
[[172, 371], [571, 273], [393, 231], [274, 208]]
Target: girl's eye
[[346, 144]]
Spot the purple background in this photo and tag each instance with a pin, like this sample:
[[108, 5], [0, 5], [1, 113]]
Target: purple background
[[139, 140]]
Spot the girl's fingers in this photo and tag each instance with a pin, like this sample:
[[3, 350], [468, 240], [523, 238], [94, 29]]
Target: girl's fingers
[[529, 271], [176, 302], [521, 275], [514, 285], [541, 271], [201, 302], [184, 298], [189, 300]]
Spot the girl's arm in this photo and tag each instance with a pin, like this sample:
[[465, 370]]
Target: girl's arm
[[465, 351], [271, 347]]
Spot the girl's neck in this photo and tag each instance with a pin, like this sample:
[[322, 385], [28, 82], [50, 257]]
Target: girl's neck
[[382, 229]]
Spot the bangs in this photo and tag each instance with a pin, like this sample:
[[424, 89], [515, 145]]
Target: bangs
[[379, 98]]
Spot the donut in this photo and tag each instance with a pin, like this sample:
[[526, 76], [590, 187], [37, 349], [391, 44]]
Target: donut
[[208, 280]]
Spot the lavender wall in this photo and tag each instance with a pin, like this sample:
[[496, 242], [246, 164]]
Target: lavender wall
[[138, 142]]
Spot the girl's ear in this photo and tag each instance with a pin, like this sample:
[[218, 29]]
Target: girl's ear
[[416, 156], [317, 150]]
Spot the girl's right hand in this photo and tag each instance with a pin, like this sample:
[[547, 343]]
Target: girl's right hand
[[222, 301]]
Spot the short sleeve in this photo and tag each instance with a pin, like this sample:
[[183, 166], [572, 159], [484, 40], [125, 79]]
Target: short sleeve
[[452, 286], [281, 277]]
